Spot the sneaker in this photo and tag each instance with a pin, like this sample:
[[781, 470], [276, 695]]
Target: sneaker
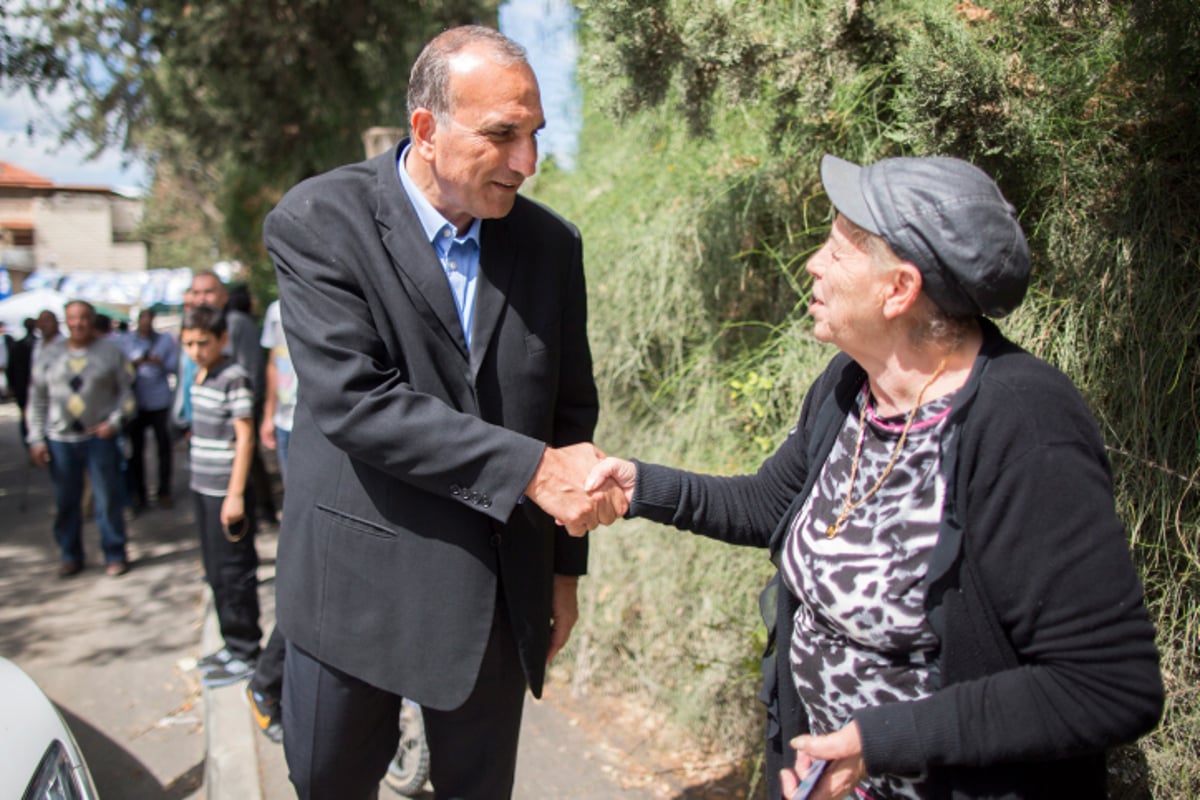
[[68, 568], [234, 670], [266, 714], [214, 660]]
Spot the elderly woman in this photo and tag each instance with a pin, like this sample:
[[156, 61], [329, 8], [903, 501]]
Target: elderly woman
[[956, 613]]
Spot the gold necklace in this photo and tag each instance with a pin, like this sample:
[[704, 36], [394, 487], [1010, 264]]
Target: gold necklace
[[848, 507]]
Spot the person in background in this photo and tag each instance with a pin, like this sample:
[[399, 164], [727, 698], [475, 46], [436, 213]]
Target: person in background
[[81, 392], [17, 371], [244, 349], [956, 612], [265, 690], [437, 321], [185, 376], [222, 445], [6, 346], [103, 325], [154, 356], [20, 362]]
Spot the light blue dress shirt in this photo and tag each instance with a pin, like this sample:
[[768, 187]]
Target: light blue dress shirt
[[459, 255]]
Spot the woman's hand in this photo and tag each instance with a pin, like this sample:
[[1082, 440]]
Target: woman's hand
[[843, 749], [621, 473]]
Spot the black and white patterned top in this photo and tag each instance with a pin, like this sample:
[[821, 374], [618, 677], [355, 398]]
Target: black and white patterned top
[[861, 635], [225, 395]]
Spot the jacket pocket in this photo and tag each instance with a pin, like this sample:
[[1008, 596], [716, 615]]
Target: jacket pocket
[[357, 523]]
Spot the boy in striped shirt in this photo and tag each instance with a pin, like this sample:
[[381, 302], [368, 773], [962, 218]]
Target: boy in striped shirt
[[222, 445]]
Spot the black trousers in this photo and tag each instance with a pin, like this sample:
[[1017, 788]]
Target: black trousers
[[231, 569], [158, 421], [268, 674], [339, 733]]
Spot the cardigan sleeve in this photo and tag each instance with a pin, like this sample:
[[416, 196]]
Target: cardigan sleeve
[[1050, 556], [744, 509], [739, 510]]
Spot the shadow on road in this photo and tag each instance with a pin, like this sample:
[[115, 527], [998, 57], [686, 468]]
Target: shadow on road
[[118, 773]]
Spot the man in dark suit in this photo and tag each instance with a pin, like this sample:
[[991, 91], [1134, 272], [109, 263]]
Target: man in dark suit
[[437, 324]]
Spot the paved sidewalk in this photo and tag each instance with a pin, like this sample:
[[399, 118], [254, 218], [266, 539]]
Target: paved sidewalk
[[116, 655], [557, 759]]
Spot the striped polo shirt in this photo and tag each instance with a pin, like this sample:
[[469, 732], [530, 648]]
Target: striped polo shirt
[[225, 395]]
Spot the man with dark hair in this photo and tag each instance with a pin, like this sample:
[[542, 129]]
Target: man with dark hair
[[81, 393], [438, 325]]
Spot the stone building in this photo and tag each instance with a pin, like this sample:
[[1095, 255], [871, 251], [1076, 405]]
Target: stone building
[[65, 228]]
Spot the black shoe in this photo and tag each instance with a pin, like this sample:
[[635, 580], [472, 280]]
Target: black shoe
[[68, 568], [234, 670], [266, 714], [214, 660]]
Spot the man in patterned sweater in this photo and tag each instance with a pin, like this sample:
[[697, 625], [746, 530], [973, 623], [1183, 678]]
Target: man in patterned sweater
[[81, 392]]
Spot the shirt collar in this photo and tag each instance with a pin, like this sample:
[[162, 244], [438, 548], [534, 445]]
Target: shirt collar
[[432, 221]]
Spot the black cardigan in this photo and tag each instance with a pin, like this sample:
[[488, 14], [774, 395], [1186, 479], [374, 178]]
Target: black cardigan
[[1047, 656]]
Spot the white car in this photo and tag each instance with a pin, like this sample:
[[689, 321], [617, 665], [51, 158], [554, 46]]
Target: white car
[[39, 759]]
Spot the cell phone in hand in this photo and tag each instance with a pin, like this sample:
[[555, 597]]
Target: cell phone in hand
[[810, 780]]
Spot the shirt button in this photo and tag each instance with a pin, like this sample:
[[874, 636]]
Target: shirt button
[[496, 540], [453, 266]]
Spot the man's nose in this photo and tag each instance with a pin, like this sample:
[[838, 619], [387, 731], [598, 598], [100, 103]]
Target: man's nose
[[524, 157]]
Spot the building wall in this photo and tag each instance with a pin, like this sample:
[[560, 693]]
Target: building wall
[[75, 231]]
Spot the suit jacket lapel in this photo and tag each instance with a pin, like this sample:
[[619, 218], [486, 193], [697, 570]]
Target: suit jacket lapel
[[413, 255], [496, 261]]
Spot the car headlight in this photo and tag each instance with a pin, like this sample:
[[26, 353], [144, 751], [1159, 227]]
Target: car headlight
[[57, 778]]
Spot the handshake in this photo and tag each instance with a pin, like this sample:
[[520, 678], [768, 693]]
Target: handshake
[[581, 488]]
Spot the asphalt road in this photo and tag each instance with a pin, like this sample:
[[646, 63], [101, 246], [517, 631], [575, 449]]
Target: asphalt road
[[114, 654]]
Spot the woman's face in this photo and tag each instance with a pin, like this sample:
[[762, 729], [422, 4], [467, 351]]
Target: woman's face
[[847, 291]]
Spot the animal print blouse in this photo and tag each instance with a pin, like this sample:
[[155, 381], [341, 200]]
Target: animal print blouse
[[861, 637]]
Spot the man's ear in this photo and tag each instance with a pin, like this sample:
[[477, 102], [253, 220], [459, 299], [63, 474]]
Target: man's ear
[[423, 126], [902, 290]]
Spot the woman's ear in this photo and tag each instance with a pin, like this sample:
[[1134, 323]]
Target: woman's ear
[[902, 291]]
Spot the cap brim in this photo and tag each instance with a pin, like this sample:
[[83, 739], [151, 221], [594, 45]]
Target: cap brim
[[843, 183]]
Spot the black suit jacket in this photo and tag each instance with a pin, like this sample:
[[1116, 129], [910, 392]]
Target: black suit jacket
[[410, 454]]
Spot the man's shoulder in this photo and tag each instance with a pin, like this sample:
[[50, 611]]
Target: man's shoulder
[[526, 210], [238, 319], [228, 372], [110, 348], [333, 190]]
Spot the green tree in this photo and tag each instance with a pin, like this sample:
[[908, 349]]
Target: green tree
[[257, 94]]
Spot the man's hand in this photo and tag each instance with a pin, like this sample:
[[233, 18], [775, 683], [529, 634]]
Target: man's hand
[[843, 749], [233, 509], [564, 612], [557, 488], [105, 430], [266, 432], [39, 454]]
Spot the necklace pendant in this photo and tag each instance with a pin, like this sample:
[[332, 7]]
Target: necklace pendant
[[831, 531]]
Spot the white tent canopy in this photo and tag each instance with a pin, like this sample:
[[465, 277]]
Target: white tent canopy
[[15, 309], [141, 288]]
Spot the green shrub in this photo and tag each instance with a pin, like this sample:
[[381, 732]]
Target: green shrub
[[699, 200]]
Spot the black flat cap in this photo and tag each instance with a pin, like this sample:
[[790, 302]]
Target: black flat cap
[[947, 218]]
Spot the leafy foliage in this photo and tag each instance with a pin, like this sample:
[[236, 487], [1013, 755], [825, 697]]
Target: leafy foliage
[[699, 199], [262, 94]]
